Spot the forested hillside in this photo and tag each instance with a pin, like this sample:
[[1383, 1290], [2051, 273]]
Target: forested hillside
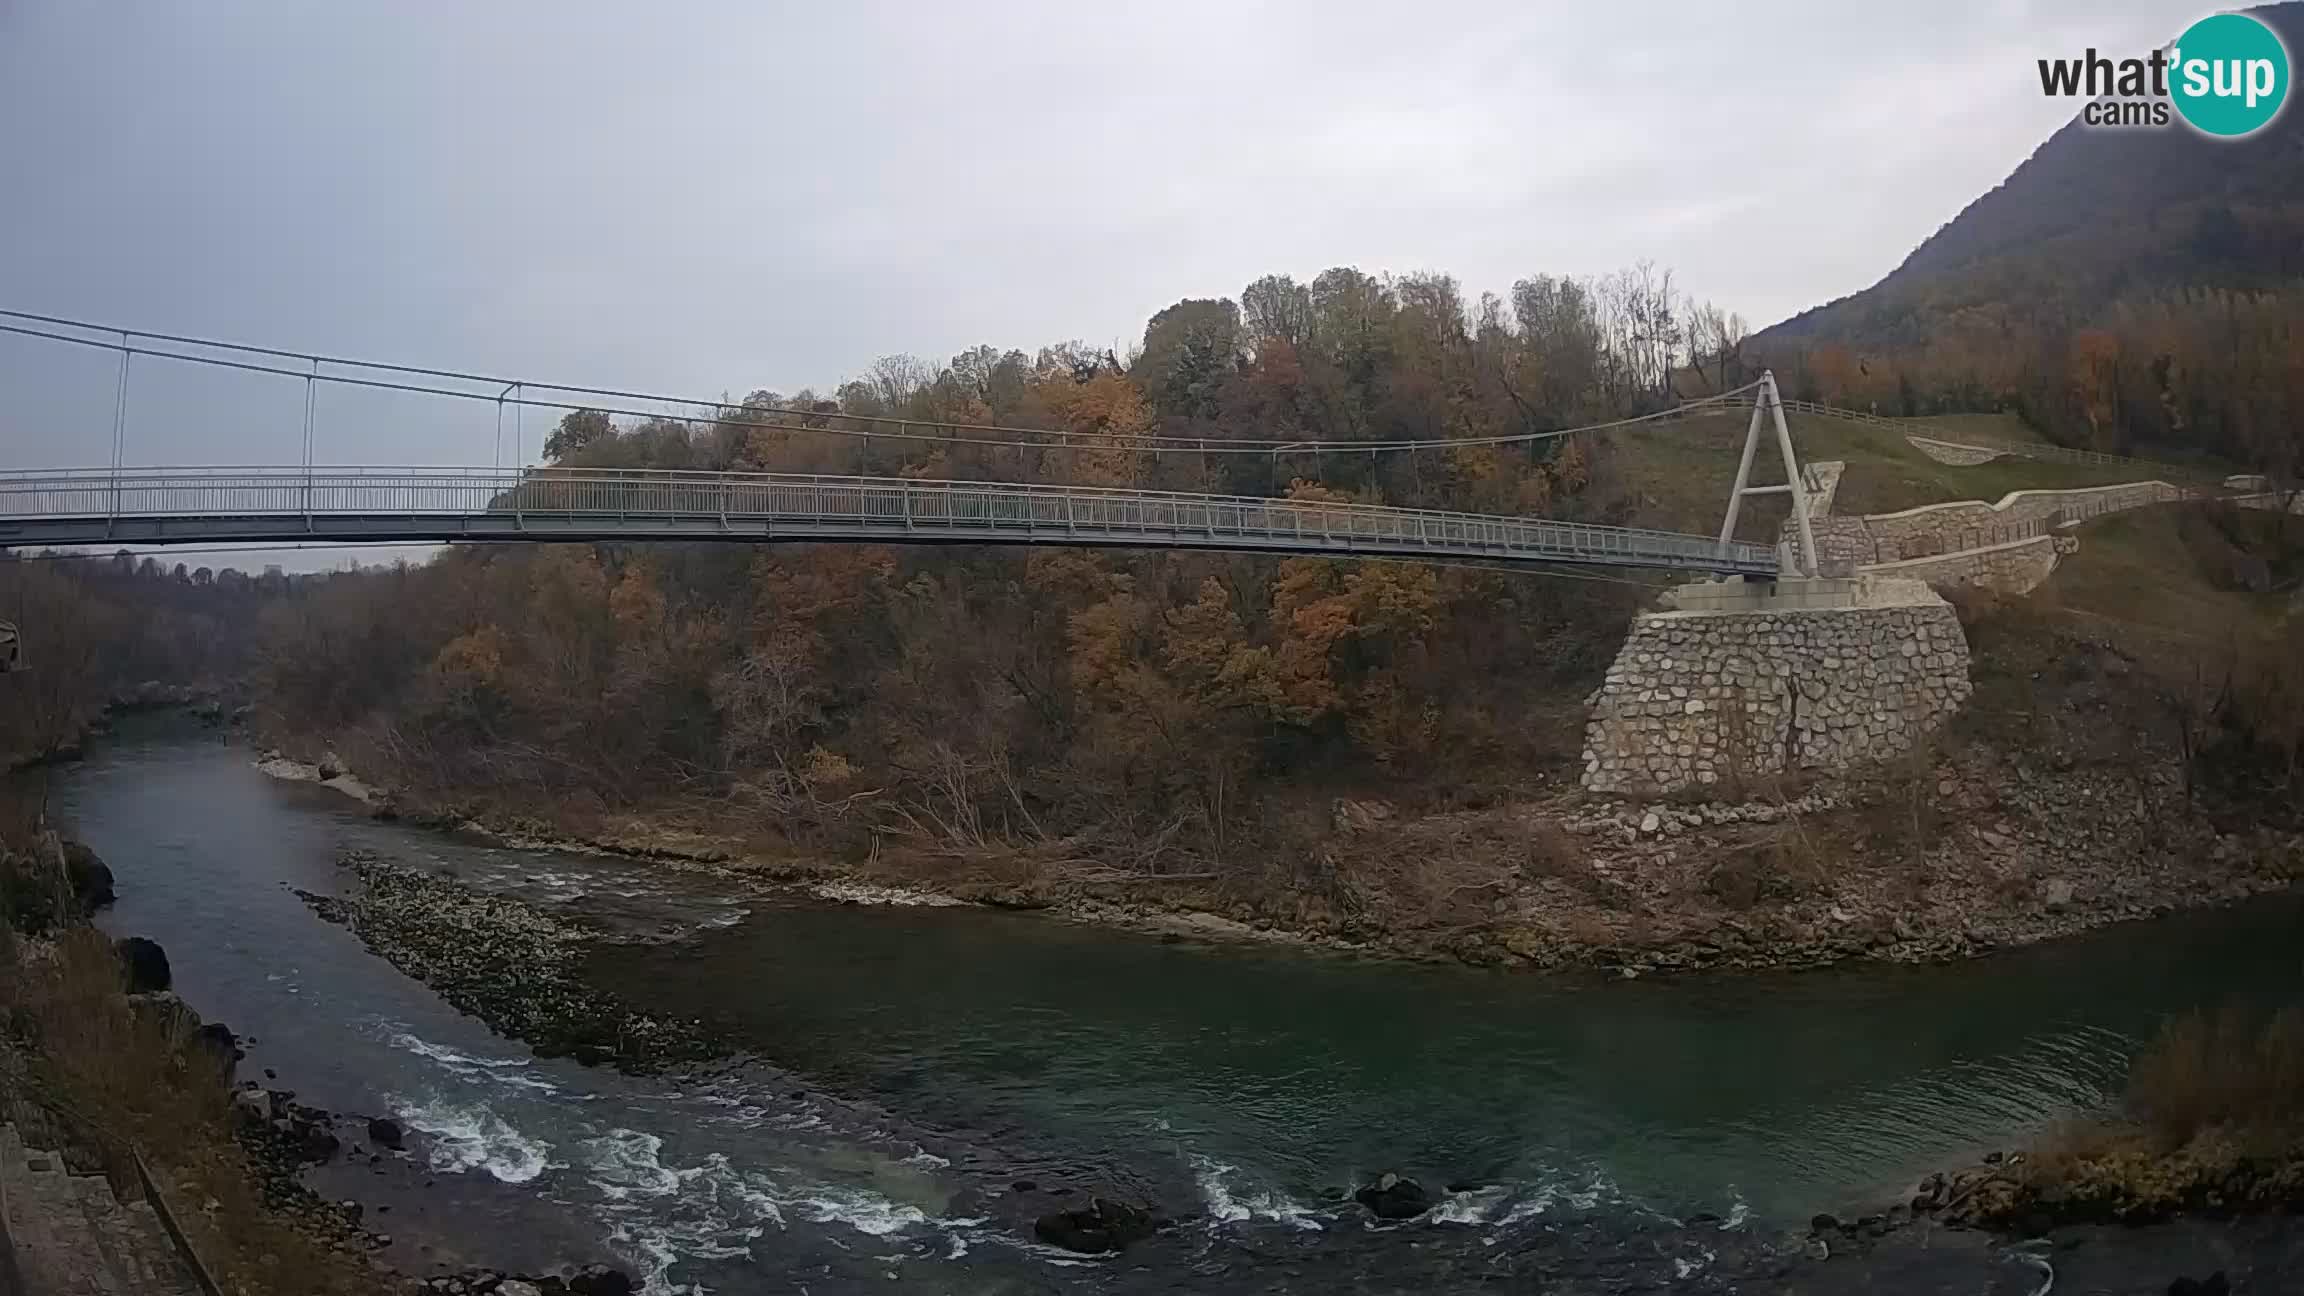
[[1151, 708], [2127, 289], [98, 629]]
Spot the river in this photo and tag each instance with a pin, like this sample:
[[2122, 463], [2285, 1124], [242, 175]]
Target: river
[[912, 1066]]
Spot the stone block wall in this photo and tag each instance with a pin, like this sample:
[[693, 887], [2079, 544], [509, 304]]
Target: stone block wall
[[1941, 528], [1822, 480], [2018, 567], [1697, 698], [1838, 539]]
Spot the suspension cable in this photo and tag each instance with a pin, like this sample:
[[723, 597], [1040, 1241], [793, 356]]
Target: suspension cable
[[768, 417]]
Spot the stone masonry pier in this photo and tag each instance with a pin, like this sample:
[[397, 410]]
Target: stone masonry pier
[[1736, 679]]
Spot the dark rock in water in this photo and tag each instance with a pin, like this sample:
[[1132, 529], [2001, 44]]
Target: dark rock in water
[[1701, 1218], [165, 1011], [1825, 1223], [328, 908], [90, 877], [251, 1108], [599, 1280], [315, 1143], [145, 963], [1466, 1185], [1394, 1198], [1023, 1186], [385, 1133], [1104, 1225], [2215, 1284], [217, 1040]]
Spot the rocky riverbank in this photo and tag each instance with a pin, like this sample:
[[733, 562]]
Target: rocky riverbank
[[2234, 1231], [79, 1012], [1977, 852], [508, 963]]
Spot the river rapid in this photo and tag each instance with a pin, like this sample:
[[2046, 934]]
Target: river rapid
[[920, 1082]]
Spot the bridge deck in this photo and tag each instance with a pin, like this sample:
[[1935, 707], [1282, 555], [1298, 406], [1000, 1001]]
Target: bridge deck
[[188, 505]]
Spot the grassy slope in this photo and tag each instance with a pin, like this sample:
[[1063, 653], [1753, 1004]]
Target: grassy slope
[[1676, 475], [2157, 588], [2166, 571], [1985, 427]]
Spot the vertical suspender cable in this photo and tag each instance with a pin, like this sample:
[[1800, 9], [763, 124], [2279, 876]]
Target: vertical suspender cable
[[311, 390], [119, 429]]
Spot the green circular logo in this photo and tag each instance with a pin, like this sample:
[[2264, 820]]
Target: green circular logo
[[2228, 74]]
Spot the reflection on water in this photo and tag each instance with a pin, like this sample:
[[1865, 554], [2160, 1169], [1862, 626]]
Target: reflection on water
[[1249, 1087]]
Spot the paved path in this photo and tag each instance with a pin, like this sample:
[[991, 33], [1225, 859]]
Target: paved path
[[71, 1237]]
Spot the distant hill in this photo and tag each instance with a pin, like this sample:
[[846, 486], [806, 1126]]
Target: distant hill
[[2095, 215]]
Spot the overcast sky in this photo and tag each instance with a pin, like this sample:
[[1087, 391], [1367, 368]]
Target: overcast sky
[[720, 195]]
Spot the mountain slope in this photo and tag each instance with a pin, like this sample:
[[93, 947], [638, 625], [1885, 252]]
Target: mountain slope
[[2094, 216]]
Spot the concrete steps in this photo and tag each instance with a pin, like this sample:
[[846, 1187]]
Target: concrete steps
[[72, 1237]]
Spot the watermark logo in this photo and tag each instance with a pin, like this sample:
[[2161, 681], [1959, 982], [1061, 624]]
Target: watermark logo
[[2226, 76]]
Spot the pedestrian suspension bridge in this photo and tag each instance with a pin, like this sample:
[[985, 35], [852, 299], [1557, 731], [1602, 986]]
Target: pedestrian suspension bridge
[[124, 504]]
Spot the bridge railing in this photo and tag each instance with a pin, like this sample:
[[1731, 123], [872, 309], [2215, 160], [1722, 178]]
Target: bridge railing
[[767, 503]]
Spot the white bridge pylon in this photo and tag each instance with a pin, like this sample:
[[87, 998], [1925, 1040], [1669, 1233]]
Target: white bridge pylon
[[1771, 406]]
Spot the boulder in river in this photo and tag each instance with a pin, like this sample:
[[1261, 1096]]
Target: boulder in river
[[599, 1280], [1392, 1197], [145, 963], [251, 1107], [1102, 1226], [90, 878], [216, 1040], [310, 1139], [385, 1132]]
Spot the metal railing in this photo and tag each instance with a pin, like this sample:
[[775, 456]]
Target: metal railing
[[160, 505]]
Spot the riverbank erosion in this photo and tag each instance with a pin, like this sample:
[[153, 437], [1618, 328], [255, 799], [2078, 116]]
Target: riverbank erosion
[[2078, 788], [1382, 757]]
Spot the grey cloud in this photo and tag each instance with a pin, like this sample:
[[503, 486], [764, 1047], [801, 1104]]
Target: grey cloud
[[718, 196]]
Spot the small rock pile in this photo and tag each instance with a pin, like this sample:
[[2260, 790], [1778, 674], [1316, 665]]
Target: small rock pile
[[1632, 821]]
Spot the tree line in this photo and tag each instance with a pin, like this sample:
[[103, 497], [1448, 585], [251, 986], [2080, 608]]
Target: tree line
[[1165, 710]]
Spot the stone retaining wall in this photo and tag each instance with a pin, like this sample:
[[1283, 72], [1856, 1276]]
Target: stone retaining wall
[[1941, 528], [2018, 567], [1695, 698]]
